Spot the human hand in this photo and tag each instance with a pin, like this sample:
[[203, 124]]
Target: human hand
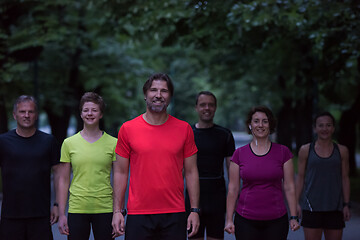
[[63, 225], [118, 224], [230, 227], [54, 215], [193, 223], [346, 213], [294, 225]]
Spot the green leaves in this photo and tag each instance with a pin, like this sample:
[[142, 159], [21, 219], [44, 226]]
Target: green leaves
[[247, 52]]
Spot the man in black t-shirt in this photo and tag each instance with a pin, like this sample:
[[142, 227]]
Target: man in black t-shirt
[[27, 157], [214, 143]]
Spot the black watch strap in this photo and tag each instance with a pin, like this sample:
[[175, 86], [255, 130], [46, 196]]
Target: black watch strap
[[123, 212], [347, 204], [294, 217], [197, 210]]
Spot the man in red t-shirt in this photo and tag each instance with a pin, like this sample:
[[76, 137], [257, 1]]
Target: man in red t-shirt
[[158, 148]]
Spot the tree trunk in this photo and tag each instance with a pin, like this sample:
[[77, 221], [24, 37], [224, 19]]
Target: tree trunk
[[303, 122], [347, 131], [284, 127], [59, 123], [347, 136], [3, 116], [284, 130]]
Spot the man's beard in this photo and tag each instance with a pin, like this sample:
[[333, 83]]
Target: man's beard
[[156, 108]]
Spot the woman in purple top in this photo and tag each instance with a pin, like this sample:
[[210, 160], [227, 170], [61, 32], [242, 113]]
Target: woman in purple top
[[267, 173]]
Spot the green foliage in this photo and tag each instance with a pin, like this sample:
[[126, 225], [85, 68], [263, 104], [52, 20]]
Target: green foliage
[[79, 53], [246, 52]]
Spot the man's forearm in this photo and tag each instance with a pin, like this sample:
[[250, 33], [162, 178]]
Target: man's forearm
[[120, 184], [193, 188]]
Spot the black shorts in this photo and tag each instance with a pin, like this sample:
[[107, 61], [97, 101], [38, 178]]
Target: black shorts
[[247, 229], [26, 228], [156, 226], [324, 220], [214, 222], [213, 207]]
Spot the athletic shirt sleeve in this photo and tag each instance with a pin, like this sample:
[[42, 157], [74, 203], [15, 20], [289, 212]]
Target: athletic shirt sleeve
[[236, 156], [286, 153], [190, 146], [230, 145], [122, 145], [114, 154], [65, 155]]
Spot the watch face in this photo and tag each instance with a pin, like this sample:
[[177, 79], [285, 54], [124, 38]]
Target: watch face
[[197, 210], [123, 212]]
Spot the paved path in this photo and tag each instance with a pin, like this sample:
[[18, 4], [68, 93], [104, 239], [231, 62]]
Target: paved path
[[351, 231]]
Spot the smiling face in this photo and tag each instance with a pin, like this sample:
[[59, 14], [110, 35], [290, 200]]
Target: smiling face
[[206, 108], [25, 115], [260, 125], [158, 96], [91, 113], [324, 127]]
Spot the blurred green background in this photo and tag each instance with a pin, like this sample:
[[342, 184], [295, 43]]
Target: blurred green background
[[297, 57]]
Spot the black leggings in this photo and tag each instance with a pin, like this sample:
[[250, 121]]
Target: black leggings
[[81, 223], [246, 229]]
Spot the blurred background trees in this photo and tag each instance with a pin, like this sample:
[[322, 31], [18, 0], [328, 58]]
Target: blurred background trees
[[297, 57]]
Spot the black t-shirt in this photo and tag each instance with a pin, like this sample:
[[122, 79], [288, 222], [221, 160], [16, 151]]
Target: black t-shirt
[[214, 144], [26, 168]]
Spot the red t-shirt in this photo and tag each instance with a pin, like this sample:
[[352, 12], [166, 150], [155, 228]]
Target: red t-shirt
[[156, 154]]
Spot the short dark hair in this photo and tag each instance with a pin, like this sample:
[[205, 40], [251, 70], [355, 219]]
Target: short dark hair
[[94, 98], [208, 93], [162, 77], [25, 98], [322, 114], [268, 113]]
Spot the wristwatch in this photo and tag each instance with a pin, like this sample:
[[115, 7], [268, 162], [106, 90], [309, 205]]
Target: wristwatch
[[347, 204], [294, 217], [197, 210], [123, 212]]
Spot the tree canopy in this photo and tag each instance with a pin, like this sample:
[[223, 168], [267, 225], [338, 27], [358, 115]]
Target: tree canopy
[[297, 57]]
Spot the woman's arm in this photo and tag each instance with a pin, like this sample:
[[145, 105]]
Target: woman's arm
[[232, 196], [345, 180], [302, 160], [289, 189]]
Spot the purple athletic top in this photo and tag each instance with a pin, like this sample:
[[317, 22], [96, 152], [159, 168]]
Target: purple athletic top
[[261, 196]]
